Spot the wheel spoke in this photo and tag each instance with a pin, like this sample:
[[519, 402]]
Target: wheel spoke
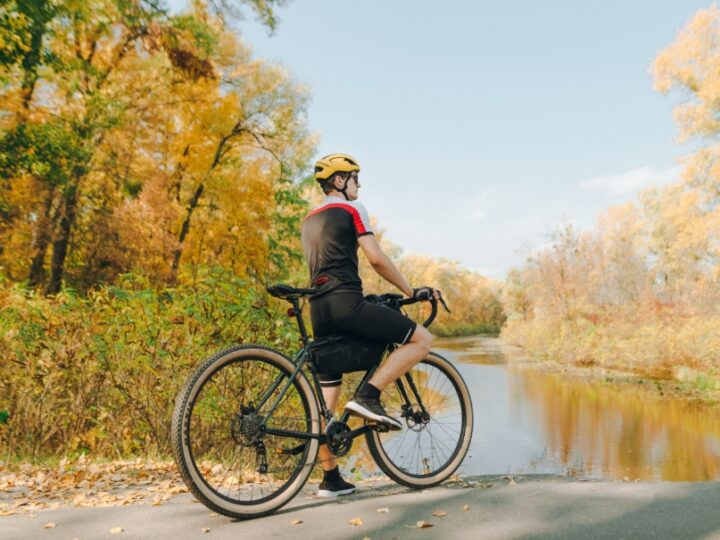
[[234, 459], [425, 449]]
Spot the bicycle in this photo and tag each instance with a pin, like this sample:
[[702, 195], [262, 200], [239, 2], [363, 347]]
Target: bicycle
[[246, 428]]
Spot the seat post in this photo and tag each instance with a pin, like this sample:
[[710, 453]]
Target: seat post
[[301, 323]]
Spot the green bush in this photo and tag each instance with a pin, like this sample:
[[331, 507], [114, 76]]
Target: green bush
[[100, 373]]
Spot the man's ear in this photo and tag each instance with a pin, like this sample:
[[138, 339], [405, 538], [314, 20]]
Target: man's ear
[[335, 179]]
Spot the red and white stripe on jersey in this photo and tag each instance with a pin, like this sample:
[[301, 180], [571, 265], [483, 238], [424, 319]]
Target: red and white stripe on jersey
[[361, 220]]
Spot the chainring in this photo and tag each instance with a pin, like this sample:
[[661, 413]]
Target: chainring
[[336, 442]]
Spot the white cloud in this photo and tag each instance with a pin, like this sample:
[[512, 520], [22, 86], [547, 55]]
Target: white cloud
[[631, 181], [479, 214]]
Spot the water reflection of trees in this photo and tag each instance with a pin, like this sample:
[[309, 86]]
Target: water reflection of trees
[[622, 431]]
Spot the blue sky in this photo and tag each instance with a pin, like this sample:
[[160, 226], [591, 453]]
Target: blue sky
[[483, 126]]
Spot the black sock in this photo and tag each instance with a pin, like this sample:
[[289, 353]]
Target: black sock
[[369, 391], [332, 474]]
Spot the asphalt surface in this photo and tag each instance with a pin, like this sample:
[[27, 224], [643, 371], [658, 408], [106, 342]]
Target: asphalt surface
[[525, 507]]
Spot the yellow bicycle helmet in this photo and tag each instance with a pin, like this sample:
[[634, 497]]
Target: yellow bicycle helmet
[[328, 165]]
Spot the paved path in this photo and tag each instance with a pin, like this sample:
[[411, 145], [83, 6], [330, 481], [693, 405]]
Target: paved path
[[534, 507]]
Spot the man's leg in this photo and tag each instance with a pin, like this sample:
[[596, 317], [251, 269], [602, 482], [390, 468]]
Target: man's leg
[[403, 358], [366, 402], [327, 458], [333, 484]]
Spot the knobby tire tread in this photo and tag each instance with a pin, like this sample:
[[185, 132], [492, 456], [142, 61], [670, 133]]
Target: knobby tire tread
[[452, 373], [181, 404]]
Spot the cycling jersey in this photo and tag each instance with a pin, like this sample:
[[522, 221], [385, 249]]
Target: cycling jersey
[[329, 238]]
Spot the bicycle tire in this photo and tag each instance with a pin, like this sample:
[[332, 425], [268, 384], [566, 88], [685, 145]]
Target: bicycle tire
[[416, 457], [209, 422]]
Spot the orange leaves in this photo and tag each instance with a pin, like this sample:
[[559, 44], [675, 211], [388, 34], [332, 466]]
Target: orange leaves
[[80, 484], [690, 63], [472, 298], [179, 109]]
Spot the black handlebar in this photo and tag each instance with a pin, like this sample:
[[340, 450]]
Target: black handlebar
[[397, 301]]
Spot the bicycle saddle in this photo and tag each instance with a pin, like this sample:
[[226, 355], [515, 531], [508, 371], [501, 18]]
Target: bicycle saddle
[[281, 290]]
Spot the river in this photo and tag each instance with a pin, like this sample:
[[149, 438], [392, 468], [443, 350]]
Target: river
[[531, 421]]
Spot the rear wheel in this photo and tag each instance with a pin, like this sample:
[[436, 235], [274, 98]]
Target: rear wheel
[[224, 455], [432, 444]]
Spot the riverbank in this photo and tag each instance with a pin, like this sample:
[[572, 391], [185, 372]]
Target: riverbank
[[679, 355], [683, 382]]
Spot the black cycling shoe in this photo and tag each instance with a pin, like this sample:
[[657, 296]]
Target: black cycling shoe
[[335, 487], [372, 409]]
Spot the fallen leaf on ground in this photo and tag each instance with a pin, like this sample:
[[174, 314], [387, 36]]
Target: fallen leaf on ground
[[116, 530], [420, 525], [356, 522], [296, 522], [383, 510], [466, 507], [49, 525], [439, 513], [206, 530], [81, 483]]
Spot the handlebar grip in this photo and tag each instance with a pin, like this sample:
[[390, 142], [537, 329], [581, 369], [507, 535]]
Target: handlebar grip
[[433, 313], [433, 304]]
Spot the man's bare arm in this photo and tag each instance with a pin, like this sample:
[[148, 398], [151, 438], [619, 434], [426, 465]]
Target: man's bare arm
[[382, 264]]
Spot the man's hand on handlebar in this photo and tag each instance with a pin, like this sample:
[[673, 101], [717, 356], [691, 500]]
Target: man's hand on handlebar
[[423, 293], [428, 293]]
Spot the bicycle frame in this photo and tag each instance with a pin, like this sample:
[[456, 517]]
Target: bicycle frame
[[300, 359]]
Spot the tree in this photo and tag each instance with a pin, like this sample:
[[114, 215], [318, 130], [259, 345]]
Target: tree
[[109, 97]]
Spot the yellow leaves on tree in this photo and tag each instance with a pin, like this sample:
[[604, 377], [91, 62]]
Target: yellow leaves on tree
[[692, 63], [157, 141], [472, 298]]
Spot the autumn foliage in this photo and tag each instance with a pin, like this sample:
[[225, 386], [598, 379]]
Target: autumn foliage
[[641, 290], [152, 183], [131, 139]]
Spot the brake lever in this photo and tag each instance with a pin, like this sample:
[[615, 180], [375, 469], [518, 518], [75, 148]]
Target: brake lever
[[442, 301]]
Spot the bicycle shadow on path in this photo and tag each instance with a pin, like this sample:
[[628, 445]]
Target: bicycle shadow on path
[[525, 506], [376, 488]]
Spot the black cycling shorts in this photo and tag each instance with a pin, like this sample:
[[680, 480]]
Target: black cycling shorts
[[348, 313]]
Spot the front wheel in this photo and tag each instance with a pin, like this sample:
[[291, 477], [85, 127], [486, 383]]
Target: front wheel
[[225, 455], [433, 442]]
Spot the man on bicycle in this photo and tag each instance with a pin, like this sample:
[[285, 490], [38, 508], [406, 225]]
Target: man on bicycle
[[331, 234]]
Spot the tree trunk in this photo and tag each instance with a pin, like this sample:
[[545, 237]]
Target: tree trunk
[[42, 239], [220, 151], [186, 228], [39, 13], [62, 240]]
